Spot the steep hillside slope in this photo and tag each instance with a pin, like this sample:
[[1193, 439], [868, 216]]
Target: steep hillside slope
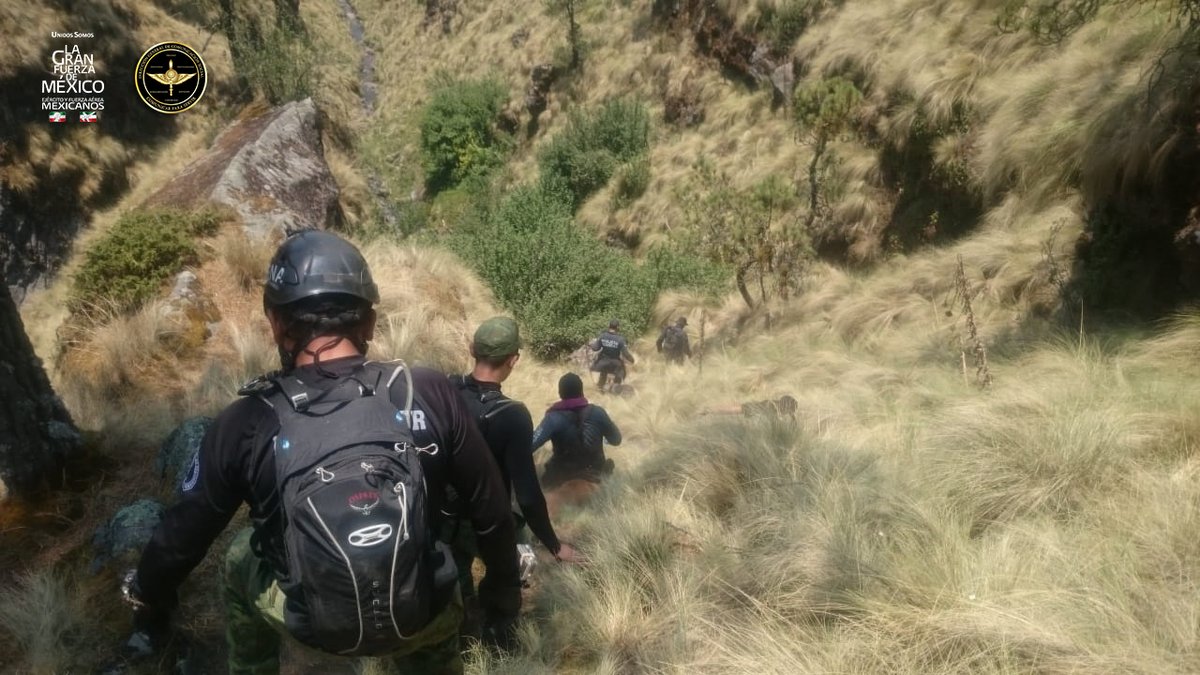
[[984, 475]]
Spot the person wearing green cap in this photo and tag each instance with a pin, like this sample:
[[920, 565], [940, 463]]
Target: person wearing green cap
[[508, 429]]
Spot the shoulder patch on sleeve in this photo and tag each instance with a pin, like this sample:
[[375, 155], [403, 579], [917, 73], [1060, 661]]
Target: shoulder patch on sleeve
[[193, 474]]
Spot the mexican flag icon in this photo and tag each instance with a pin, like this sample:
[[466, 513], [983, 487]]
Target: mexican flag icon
[[87, 117], [57, 116]]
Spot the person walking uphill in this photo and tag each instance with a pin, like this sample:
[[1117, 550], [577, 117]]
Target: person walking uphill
[[343, 463], [673, 342], [508, 429], [613, 351], [576, 430]]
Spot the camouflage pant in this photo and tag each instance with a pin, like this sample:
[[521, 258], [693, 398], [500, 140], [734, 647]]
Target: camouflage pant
[[255, 625]]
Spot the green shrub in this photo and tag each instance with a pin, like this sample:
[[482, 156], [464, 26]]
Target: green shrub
[[279, 64], [632, 181], [671, 269], [784, 23], [458, 135], [141, 251], [560, 283], [581, 159]]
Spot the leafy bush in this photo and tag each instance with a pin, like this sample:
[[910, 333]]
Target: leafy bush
[[582, 158], [824, 108], [784, 23], [141, 251], [279, 64], [458, 137], [671, 269], [560, 283], [632, 181]]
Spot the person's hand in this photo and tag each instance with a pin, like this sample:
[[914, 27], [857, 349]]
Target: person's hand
[[151, 630], [569, 554]]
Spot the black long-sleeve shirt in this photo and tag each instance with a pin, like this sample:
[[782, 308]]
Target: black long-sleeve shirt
[[236, 465], [509, 434]]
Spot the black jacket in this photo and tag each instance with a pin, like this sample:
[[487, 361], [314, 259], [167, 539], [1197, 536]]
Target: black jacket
[[509, 434], [561, 428], [611, 345], [236, 465]]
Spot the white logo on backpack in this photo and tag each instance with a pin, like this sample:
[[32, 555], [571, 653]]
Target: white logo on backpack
[[370, 535]]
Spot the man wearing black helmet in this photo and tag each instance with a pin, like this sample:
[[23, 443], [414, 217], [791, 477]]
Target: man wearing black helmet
[[613, 351], [344, 463]]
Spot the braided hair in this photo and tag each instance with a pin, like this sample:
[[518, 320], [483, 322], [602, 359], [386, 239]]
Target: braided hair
[[336, 315]]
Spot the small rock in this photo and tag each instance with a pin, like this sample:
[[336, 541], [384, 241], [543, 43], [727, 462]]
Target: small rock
[[178, 452], [128, 531], [519, 37], [761, 64], [61, 431], [185, 286], [783, 81]]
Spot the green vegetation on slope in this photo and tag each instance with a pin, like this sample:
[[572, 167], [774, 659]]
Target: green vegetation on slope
[[580, 159], [130, 264], [561, 283], [459, 139], [907, 522]]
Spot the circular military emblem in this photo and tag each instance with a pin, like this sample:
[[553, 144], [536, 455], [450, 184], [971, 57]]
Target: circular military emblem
[[170, 77]]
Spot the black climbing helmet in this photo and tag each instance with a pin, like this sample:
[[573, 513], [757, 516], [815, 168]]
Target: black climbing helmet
[[681, 321], [313, 262]]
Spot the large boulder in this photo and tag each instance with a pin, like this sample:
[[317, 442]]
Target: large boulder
[[269, 168], [126, 533]]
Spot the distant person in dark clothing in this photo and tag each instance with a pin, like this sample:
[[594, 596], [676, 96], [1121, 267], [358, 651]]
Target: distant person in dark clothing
[[673, 342], [613, 351], [508, 429], [576, 430]]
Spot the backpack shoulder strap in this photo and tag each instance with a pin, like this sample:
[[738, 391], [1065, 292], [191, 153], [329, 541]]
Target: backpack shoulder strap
[[581, 417], [261, 386], [492, 403]]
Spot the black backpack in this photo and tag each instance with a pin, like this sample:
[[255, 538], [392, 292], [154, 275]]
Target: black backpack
[[356, 529], [672, 339]]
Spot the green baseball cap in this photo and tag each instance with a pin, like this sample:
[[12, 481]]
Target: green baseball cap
[[498, 336]]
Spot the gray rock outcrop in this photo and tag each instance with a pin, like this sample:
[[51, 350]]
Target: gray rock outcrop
[[269, 168], [126, 532]]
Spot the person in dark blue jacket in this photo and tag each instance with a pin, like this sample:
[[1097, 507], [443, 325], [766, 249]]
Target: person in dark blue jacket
[[576, 430], [613, 354]]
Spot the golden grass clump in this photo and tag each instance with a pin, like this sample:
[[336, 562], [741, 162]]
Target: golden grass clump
[[43, 618]]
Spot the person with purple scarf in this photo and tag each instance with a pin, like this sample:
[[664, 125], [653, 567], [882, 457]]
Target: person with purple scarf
[[576, 430]]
